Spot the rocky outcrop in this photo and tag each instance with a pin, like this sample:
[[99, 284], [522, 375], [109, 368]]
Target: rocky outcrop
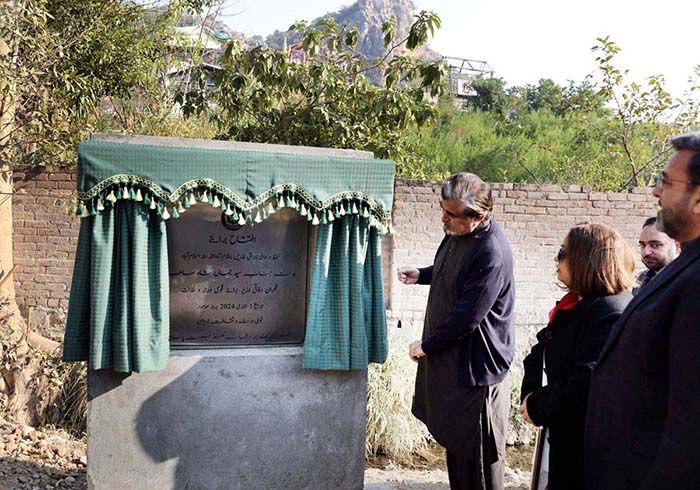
[[368, 16]]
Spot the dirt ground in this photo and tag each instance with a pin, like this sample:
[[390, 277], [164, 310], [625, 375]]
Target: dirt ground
[[427, 471], [51, 459]]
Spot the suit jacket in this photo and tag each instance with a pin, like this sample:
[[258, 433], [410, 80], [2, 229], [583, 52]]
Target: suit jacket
[[569, 347], [643, 423], [643, 279]]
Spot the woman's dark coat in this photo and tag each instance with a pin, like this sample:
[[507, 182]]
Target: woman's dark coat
[[570, 346]]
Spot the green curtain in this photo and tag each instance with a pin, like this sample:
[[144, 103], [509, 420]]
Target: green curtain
[[118, 316], [346, 322]]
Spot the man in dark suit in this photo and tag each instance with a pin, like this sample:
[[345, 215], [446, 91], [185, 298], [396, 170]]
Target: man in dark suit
[[462, 390], [657, 250], [643, 423]]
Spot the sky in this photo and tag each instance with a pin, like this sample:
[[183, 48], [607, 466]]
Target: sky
[[524, 41]]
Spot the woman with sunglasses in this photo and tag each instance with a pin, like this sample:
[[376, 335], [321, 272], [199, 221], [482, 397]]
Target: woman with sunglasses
[[596, 267]]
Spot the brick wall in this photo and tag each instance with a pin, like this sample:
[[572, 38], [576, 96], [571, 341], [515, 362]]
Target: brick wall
[[534, 217], [44, 240]]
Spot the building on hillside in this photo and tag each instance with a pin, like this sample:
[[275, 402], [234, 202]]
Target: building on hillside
[[199, 47], [207, 43], [462, 72]]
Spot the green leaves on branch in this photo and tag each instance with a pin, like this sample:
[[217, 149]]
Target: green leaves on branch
[[426, 22], [645, 116], [74, 65], [324, 96]]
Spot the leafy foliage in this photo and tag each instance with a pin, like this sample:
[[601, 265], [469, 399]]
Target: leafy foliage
[[646, 116], [326, 99], [611, 135], [78, 66]]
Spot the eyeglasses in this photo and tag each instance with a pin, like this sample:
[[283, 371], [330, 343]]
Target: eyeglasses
[[661, 179], [470, 213], [561, 254], [467, 213]]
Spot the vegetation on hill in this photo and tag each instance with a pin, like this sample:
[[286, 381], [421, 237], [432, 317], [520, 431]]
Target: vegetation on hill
[[606, 132]]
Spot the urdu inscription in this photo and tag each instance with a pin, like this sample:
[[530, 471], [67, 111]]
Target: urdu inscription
[[237, 285]]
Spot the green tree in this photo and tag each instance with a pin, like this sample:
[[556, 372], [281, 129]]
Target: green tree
[[327, 100], [546, 95], [68, 67], [644, 116], [490, 96], [72, 60]]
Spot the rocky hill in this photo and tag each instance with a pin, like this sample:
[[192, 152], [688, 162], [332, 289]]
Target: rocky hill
[[368, 16]]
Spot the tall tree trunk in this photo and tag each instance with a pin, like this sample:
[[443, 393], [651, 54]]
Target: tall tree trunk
[[11, 381], [7, 288]]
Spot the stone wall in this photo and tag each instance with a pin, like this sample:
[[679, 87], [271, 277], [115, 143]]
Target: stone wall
[[535, 218]]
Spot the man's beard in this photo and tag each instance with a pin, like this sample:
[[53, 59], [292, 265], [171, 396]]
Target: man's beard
[[654, 263], [448, 231], [671, 221]]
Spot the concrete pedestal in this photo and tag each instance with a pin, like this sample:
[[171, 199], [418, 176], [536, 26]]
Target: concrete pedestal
[[229, 419]]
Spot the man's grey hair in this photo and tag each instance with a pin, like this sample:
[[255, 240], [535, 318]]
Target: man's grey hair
[[472, 191], [690, 141]]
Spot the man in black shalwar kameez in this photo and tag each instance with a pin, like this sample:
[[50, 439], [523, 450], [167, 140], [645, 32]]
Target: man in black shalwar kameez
[[462, 391]]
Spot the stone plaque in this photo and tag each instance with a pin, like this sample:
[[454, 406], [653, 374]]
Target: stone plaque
[[237, 285]]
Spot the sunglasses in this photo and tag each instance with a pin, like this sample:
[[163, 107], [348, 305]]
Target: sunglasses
[[561, 254]]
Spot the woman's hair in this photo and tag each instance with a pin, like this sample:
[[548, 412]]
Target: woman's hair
[[600, 260]]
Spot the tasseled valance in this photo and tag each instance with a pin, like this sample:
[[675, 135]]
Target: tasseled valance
[[118, 316], [247, 186]]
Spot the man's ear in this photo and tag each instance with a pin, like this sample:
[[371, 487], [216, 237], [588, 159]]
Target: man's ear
[[695, 199]]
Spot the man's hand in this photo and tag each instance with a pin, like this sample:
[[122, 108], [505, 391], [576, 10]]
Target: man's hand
[[415, 350], [408, 275], [523, 411]]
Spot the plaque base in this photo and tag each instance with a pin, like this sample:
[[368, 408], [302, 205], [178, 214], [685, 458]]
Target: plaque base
[[233, 419]]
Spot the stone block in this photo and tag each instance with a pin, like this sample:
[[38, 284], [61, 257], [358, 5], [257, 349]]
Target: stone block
[[234, 419]]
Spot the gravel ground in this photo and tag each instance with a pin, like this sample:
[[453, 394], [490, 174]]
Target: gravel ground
[[50, 459], [402, 479], [40, 459]]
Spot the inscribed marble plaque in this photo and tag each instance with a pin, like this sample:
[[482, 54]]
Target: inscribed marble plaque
[[237, 285]]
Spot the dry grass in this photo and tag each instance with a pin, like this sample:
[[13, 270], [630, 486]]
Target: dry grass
[[433, 458], [61, 394], [391, 428], [39, 389]]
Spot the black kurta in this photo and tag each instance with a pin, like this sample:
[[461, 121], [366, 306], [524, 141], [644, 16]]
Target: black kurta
[[468, 338], [569, 347]]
